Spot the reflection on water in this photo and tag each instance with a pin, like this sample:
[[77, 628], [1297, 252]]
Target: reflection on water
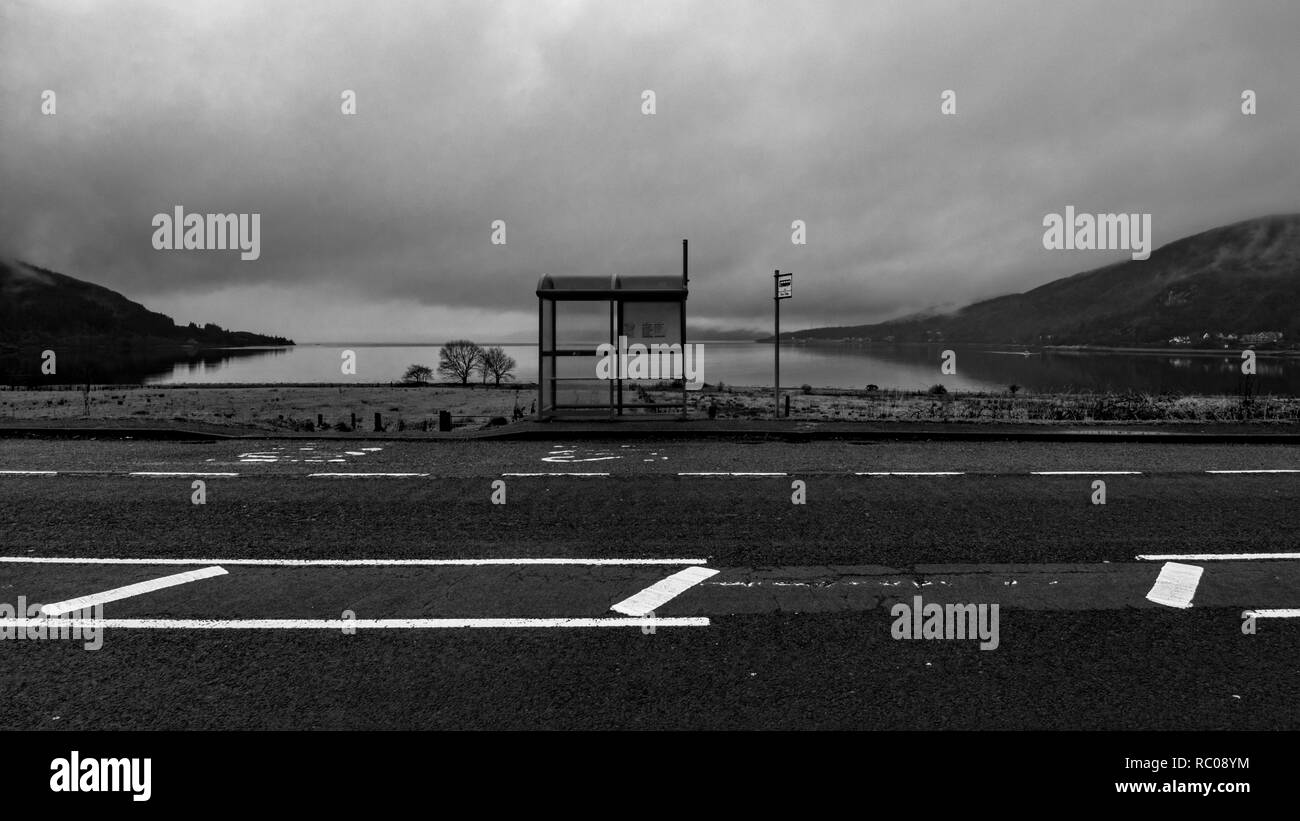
[[907, 367], [103, 363], [913, 367]]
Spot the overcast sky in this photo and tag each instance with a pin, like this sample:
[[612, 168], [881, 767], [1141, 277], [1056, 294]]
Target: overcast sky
[[377, 227]]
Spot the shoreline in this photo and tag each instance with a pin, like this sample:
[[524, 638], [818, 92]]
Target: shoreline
[[1281, 353], [352, 408]]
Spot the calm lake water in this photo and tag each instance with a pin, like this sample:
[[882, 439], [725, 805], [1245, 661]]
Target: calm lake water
[[748, 363]]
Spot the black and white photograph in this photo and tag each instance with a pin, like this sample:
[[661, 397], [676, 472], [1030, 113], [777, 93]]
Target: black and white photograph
[[923, 376]]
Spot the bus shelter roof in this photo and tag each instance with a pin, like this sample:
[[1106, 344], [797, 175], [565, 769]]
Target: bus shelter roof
[[667, 287]]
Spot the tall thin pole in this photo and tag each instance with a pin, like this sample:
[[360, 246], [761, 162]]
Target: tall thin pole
[[682, 312], [776, 347]]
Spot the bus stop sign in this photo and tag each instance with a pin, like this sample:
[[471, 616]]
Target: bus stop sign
[[784, 286]]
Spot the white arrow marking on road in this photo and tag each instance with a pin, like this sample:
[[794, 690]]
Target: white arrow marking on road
[[662, 592], [1176, 584], [83, 602]]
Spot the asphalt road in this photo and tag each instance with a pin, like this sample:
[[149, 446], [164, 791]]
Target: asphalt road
[[381, 587]]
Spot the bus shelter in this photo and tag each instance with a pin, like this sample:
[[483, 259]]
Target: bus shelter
[[576, 314]]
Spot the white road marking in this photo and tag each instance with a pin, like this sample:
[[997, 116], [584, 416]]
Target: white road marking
[[363, 475], [154, 473], [208, 474], [570, 455], [663, 591], [83, 602], [360, 624], [555, 474], [346, 562], [1212, 557], [912, 473], [1274, 614], [559, 458], [1277, 470], [721, 473], [1085, 473], [1176, 584], [587, 459]]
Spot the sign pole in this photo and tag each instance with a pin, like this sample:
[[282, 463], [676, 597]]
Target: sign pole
[[776, 346]]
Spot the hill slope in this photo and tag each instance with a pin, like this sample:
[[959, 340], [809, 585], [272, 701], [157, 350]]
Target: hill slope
[[1241, 278], [39, 306]]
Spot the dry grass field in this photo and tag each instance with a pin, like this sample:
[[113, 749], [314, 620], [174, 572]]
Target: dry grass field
[[332, 407]]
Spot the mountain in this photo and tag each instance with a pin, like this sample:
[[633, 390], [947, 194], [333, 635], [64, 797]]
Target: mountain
[[1237, 279], [44, 307]]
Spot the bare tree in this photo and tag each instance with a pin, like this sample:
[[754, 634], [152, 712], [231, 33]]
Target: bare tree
[[417, 373], [458, 359], [497, 362]]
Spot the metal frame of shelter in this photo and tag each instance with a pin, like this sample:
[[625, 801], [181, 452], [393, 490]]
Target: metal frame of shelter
[[619, 291]]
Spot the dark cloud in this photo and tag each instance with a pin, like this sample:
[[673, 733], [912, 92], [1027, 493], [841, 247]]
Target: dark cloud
[[378, 225]]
